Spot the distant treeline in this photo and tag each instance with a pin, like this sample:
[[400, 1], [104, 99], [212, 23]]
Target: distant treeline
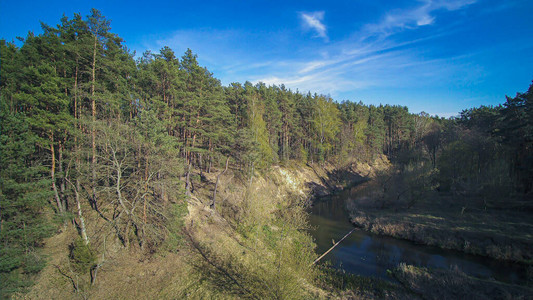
[[83, 121]]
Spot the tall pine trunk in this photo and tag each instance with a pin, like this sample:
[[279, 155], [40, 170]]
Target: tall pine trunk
[[53, 175], [93, 129], [62, 193]]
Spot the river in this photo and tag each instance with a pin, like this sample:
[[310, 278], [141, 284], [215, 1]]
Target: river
[[367, 254]]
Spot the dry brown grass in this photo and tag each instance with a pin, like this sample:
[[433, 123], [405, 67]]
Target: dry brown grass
[[254, 234], [251, 245], [487, 234], [126, 274], [443, 221], [453, 284]]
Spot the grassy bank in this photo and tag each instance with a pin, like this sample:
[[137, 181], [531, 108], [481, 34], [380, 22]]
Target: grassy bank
[[439, 221], [252, 243], [343, 285], [453, 284]]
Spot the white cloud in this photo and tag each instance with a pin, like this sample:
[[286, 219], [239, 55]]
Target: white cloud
[[380, 63], [344, 67], [425, 20], [314, 21], [422, 15]]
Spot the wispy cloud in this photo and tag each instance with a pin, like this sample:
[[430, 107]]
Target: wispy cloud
[[314, 21], [377, 64], [421, 15], [349, 66]]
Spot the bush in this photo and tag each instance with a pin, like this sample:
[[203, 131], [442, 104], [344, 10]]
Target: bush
[[175, 226], [81, 256]]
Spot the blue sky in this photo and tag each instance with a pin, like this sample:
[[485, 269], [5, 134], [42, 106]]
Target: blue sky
[[430, 55]]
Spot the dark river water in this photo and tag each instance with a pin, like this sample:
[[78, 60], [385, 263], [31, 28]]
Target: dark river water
[[366, 254]]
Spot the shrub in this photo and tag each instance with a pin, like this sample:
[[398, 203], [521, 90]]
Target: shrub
[[81, 256]]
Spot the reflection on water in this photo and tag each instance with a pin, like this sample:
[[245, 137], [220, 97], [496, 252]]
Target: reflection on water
[[370, 255]]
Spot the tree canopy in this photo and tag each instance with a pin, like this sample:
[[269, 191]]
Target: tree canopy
[[85, 125]]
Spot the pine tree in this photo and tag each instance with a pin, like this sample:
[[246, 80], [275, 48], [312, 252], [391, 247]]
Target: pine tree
[[45, 104], [24, 191]]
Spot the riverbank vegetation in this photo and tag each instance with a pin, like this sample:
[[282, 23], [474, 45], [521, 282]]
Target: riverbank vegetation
[[112, 159], [467, 188], [454, 284]]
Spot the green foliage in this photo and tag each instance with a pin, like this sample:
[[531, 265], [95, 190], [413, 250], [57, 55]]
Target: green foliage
[[516, 130], [23, 195], [473, 162], [326, 123], [261, 136], [375, 131], [123, 158], [272, 261], [175, 226], [82, 257], [352, 137]]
